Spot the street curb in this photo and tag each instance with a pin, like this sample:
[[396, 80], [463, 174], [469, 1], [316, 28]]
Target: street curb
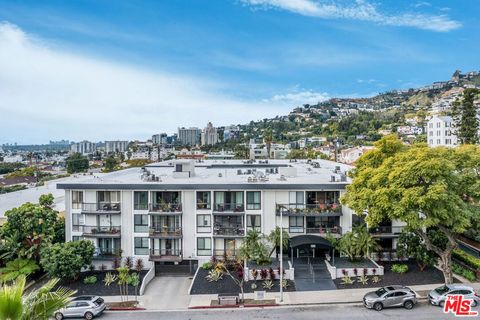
[[236, 306]]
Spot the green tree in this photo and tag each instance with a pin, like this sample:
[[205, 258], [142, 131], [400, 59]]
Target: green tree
[[274, 238], [76, 163], [423, 187], [465, 115], [16, 268], [110, 163], [410, 245], [39, 304], [66, 260], [29, 228], [355, 244], [268, 139], [253, 247]]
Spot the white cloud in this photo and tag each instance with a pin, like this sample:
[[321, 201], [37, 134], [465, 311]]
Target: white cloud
[[48, 93], [298, 97], [359, 10]]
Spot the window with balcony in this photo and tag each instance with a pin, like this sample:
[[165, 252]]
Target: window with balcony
[[140, 222], [323, 224], [77, 221], [77, 199], [254, 200], [296, 199], [166, 201], [141, 245], [204, 200], [254, 222], [108, 196], [228, 201], [295, 224], [204, 223], [204, 247], [140, 200]]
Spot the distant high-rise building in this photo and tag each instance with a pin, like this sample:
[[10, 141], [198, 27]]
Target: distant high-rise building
[[231, 132], [189, 136], [84, 147], [209, 135], [116, 146], [159, 139], [440, 132]]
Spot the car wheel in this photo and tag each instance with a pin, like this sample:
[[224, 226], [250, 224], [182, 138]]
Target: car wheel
[[408, 305], [378, 306], [441, 304], [58, 316], [88, 315], [474, 303]]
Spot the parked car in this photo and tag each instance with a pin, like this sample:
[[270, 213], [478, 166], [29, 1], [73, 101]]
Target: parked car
[[437, 296], [390, 296], [86, 307]]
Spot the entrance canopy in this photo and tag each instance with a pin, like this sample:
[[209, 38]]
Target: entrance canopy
[[303, 240]]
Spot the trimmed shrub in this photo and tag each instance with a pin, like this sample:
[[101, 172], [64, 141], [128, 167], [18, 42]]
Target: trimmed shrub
[[207, 265], [466, 258], [399, 268], [90, 280], [467, 274]]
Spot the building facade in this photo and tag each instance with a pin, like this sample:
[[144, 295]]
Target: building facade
[[189, 136], [185, 212], [209, 135], [440, 132], [116, 146], [84, 147]]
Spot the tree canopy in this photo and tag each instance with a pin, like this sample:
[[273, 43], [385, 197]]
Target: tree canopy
[[76, 163]]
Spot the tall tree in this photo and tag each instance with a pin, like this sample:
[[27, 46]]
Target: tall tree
[[76, 163], [110, 163], [424, 187], [268, 139], [465, 115]]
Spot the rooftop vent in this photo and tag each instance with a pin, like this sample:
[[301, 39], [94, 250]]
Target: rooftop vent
[[332, 178], [220, 175], [343, 178]]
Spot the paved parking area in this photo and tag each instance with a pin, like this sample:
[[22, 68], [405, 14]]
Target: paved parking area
[[167, 293]]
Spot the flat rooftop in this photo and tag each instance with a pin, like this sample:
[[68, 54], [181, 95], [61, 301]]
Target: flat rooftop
[[222, 174]]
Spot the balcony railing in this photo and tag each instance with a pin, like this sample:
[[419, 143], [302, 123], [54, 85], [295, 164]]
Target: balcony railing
[[165, 207], [229, 231], [388, 230], [166, 254], [101, 230], [106, 253], [204, 206], [309, 209], [225, 254], [101, 207], [229, 207], [325, 230], [165, 232]]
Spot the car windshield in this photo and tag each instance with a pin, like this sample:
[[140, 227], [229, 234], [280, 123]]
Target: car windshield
[[442, 290], [380, 292]]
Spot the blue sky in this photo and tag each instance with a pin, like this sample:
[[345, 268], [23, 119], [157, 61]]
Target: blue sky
[[127, 69]]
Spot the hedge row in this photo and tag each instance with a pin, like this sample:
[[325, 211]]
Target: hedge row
[[466, 258]]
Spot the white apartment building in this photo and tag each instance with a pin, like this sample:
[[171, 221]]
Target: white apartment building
[[209, 135], [116, 146], [84, 147], [189, 136], [440, 132], [181, 213]]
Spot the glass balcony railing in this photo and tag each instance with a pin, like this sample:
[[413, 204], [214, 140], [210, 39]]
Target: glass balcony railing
[[106, 253], [229, 207], [385, 230], [229, 231], [166, 254], [101, 230], [101, 207], [165, 232], [308, 209], [324, 230], [165, 207]]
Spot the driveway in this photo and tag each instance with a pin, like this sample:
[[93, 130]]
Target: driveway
[[167, 293]]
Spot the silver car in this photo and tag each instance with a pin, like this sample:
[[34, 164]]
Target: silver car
[[390, 296], [438, 296], [86, 307]]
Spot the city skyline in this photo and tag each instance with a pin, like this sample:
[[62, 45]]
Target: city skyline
[[120, 71]]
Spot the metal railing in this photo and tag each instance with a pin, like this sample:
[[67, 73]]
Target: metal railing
[[325, 230], [229, 207], [204, 205], [385, 230], [165, 207], [225, 254], [165, 252], [106, 253], [101, 207], [308, 209], [100, 230], [165, 232], [228, 231]]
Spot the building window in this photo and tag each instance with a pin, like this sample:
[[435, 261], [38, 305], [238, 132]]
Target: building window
[[204, 247], [204, 200], [204, 223], [108, 196], [296, 199], [253, 200], [140, 200], [254, 222], [77, 199], [430, 125], [295, 224], [141, 246], [438, 141], [438, 124], [77, 221], [140, 222], [76, 238]]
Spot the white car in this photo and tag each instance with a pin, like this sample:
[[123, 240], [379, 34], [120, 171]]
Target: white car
[[86, 307], [438, 296]]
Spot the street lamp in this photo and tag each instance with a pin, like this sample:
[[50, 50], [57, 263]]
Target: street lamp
[[281, 256]]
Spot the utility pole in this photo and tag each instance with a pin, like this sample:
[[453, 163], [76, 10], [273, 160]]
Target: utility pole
[[281, 256]]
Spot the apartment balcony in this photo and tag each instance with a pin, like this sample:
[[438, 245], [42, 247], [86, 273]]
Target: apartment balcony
[[168, 255], [165, 208], [320, 209], [204, 206], [106, 253], [323, 231], [385, 231], [233, 232], [101, 208], [165, 232], [101, 231], [229, 254], [230, 208]]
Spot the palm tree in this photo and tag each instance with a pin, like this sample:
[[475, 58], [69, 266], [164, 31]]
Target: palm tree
[[39, 304], [274, 238], [268, 139]]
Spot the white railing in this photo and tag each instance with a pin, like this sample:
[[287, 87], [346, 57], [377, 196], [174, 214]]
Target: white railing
[[146, 280]]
